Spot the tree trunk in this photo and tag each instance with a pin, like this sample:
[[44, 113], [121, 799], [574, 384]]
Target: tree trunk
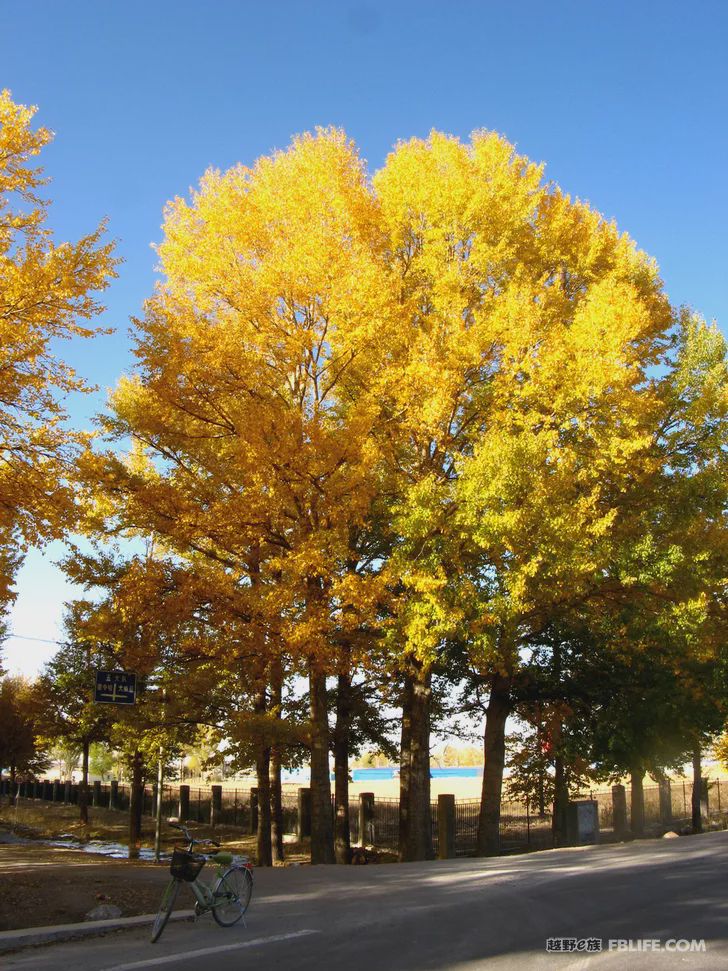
[[322, 828], [559, 821], [136, 806], [262, 768], [158, 806], [263, 843], [276, 806], [697, 817], [541, 782], [83, 789], [405, 740], [342, 835], [637, 801], [494, 747], [276, 796], [415, 819]]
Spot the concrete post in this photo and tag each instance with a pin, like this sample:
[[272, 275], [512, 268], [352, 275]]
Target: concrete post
[[216, 806], [665, 803], [114, 794], [254, 810], [184, 803], [304, 813], [582, 822], [366, 818], [619, 810], [445, 826], [96, 794]]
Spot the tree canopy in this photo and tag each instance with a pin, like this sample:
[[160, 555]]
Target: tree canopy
[[47, 293]]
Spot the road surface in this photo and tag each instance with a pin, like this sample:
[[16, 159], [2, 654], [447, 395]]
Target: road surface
[[456, 915]]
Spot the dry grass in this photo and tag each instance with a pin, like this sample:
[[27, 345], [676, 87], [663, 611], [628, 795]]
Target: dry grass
[[47, 820]]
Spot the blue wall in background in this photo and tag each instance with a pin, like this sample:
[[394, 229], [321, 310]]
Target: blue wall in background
[[453, 772]]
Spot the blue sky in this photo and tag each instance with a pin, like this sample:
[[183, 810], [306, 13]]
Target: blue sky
[[625, 102]]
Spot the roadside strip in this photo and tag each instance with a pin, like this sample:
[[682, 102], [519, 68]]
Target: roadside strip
[[30, 936]]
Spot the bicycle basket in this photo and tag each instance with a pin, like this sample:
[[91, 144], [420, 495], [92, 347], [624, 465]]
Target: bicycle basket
[[186, 865]]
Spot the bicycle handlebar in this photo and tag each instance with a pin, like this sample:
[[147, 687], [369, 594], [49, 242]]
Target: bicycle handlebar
[[189, 837]]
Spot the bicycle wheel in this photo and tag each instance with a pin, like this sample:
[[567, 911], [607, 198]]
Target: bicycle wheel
[[165, 909], [232, 895]]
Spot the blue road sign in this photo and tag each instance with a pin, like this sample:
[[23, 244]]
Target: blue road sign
[[115, 687]]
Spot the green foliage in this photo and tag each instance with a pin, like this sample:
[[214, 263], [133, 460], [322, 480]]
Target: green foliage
[[101, 760], [19, 749]]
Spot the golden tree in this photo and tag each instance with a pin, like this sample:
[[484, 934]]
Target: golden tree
[[414, 408], [255, 401], [45, 289], [531, 324]]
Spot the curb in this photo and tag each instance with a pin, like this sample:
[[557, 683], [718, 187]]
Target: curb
[[33, 936]]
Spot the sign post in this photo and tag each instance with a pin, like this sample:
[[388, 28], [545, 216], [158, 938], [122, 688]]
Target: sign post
[[115, 688]]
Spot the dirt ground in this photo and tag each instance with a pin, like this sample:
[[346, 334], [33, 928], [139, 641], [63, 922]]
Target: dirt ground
[[44, 885]]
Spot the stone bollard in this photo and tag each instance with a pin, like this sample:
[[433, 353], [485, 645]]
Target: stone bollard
[[582, 822], [216, 806], [254, 810], [114, 794], [665, 803], [96, 793], [445, 826], [184, 804], [304, 813], [619, 811], [366, 818]]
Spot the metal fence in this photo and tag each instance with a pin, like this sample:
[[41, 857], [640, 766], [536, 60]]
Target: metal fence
[[520, 829], [385, 825]]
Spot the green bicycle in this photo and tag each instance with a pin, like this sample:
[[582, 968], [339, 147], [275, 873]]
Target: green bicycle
[[228, 899]]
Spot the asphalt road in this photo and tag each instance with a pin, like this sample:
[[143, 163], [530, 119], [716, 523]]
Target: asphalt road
[[457, 915]]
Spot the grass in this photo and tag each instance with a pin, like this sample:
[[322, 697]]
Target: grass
[[39, 819]]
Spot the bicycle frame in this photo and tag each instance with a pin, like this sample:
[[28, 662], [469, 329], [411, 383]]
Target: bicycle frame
[[203, 891]]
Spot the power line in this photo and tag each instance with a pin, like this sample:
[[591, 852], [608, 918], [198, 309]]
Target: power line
[[40, 640]]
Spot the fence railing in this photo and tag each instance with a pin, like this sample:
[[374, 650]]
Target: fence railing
[[375, 821]]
